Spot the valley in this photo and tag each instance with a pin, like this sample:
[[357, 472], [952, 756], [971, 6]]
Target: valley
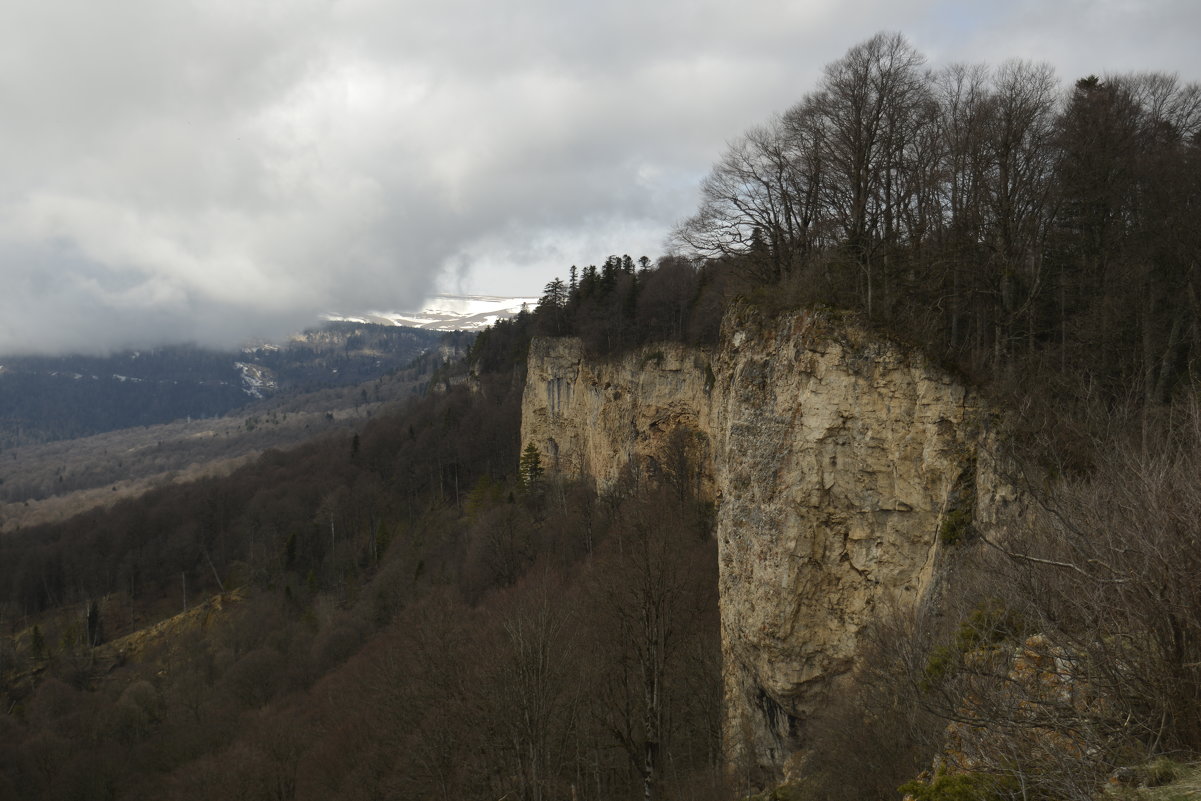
[[320, 382]]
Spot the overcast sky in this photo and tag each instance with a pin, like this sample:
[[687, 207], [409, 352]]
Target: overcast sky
[[223, 169]]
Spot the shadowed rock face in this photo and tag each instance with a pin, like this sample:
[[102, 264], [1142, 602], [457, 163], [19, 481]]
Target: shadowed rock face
[[596, 419], [833, 457]]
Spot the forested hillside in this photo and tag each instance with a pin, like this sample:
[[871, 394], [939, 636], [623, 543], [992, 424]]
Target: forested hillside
[[419, 609], [397, 612]]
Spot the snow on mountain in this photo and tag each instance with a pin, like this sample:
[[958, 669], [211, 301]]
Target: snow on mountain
[[256, 379], [447, 313]]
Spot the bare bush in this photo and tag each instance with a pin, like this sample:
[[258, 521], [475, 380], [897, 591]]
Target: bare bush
[[1077, 651]]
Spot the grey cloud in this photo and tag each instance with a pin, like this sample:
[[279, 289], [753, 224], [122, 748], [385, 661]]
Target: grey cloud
[[222, 169]]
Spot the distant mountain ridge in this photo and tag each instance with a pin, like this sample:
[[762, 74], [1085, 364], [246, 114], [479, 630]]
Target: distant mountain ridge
[[447, 313], [47, 398]]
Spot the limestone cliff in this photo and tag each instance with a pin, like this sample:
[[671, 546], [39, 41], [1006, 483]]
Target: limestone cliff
[[597, 419], [836, 459]]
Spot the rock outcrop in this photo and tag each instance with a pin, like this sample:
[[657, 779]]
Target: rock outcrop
[[842, 465], [599, 419]]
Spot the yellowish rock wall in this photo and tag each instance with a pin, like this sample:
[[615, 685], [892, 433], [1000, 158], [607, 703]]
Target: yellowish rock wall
[[596, 419], [833, 456]]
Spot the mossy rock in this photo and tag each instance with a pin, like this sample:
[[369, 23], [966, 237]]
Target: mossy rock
[[1160, 771], [959, 787]]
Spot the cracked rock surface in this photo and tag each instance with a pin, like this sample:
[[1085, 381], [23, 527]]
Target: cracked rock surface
[[833, 457]]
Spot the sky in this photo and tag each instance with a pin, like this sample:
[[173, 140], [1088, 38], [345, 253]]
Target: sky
[[224, 170]]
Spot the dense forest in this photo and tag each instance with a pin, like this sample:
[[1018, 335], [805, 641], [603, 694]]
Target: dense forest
[[982, 210], [419, 610]]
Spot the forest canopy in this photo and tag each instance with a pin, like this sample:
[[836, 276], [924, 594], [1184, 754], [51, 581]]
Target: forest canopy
[[987, 211]]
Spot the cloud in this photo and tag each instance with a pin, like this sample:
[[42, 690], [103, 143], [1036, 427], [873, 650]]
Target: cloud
[[222, 169]]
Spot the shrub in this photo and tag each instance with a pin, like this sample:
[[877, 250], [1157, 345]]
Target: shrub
[[956, 525]]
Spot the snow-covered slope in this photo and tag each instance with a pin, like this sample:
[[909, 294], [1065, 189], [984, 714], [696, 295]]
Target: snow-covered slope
[[447, 313]]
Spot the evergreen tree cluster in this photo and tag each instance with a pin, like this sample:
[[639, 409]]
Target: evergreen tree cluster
[[620, 305]]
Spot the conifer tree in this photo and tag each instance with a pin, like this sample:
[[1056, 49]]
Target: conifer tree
[[529, 469]]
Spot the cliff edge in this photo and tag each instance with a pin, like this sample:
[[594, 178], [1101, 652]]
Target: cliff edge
[[842, 466]]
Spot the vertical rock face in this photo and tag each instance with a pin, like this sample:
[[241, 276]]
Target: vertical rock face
[[596, 419], [836, 459]]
